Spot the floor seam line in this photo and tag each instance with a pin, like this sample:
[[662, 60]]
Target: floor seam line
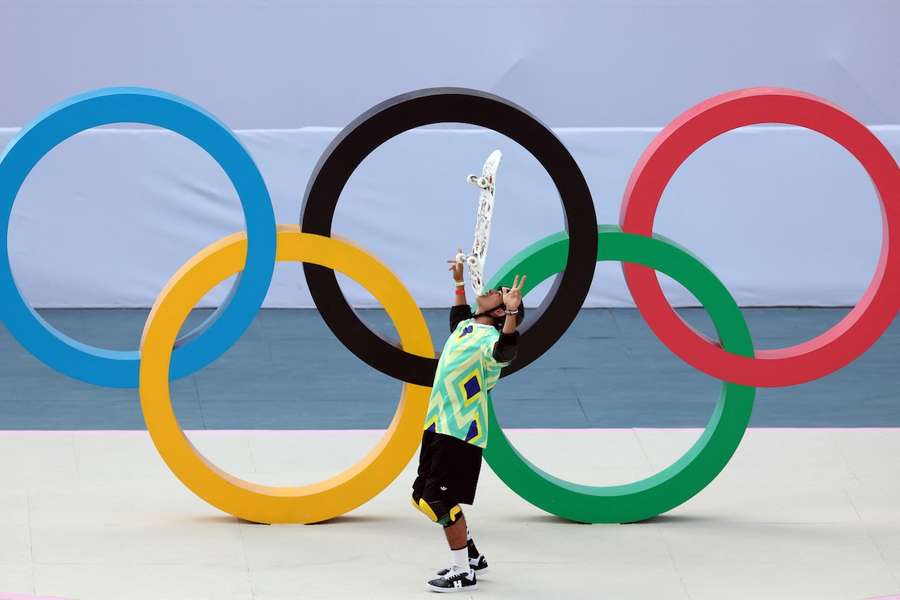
[[672, 560], [196, 387], [575, 393], [30, 542], [620, 332], [878, 549], [641, 446], [246, 560]]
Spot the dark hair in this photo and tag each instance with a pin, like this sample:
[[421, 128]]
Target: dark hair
[[498, 321]]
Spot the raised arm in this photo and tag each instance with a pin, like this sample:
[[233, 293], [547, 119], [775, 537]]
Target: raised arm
[[507, 347], [461, 310]]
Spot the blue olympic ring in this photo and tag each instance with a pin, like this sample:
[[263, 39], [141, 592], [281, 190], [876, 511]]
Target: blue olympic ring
[[207, 342]]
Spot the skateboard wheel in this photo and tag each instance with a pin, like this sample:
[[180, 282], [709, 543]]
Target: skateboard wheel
[[481, 182]]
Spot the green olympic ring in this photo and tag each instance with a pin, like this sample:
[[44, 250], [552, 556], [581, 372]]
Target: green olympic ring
[[677, 483]]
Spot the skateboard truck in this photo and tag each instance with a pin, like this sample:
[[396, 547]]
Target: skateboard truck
[[478, 181]]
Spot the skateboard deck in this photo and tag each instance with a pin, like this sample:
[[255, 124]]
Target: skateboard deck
[[486, 183]]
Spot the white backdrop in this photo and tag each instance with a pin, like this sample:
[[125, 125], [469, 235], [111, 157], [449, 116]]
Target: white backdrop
[[783, 216], [576, 63]]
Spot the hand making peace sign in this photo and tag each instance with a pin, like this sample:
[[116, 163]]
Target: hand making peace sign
[[512, 296]]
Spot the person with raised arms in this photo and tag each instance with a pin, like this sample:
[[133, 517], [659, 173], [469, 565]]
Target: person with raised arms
[[455, 434]]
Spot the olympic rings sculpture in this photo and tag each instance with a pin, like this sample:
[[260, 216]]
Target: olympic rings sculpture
[[569, 256]]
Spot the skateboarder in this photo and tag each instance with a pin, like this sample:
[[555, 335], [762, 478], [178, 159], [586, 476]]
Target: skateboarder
[[455, 435]]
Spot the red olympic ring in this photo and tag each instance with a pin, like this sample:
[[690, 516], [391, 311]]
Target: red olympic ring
[[812, 359]]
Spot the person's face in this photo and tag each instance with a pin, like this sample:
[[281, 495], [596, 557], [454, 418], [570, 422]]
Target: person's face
[[492, 300]]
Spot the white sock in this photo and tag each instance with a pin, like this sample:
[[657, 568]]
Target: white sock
[[461, 558]]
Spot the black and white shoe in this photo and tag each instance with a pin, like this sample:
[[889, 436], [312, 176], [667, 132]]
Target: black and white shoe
[[479, 565], [454, 580]]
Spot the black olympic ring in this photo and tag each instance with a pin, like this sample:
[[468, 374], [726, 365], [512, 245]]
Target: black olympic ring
[[449, 105]]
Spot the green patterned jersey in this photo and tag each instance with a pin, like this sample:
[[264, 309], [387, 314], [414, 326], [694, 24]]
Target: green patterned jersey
[[466, 372]]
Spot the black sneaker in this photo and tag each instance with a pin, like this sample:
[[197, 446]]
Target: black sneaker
[[454, 580], [479, 565]]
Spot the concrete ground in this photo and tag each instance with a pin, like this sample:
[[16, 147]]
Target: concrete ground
[[808, 508], [798, 513]]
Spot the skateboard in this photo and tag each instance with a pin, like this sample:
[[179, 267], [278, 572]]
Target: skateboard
[[486, 183]]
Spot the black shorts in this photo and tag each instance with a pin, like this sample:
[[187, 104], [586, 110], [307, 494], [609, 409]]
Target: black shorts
[[448, 470]]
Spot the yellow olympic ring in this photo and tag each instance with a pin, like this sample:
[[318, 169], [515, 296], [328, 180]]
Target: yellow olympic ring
[[269, 504]]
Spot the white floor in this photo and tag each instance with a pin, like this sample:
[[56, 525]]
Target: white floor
[[799, 513]]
